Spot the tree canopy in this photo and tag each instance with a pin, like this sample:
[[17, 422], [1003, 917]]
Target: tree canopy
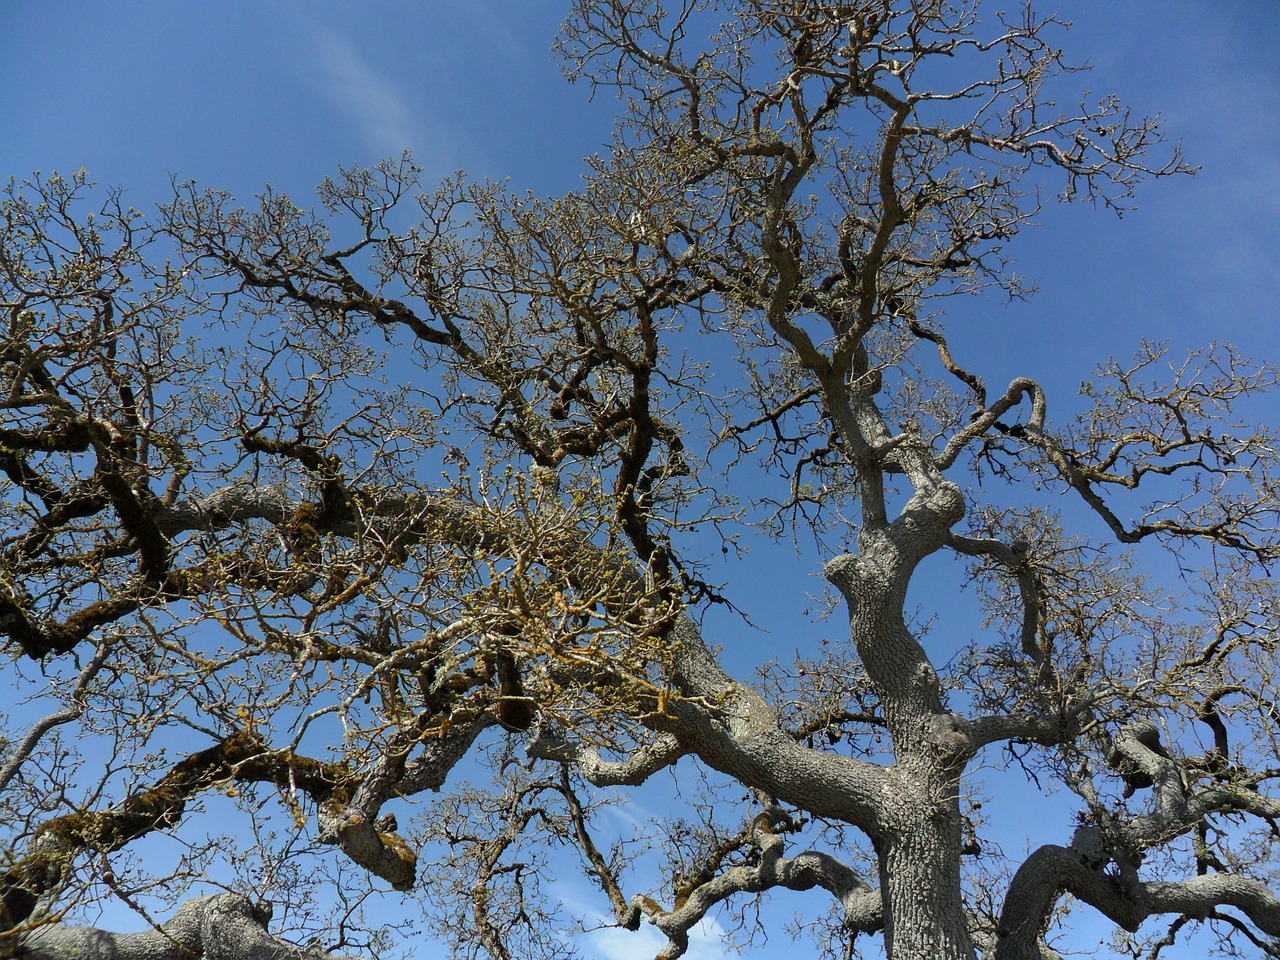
[[388, 529]]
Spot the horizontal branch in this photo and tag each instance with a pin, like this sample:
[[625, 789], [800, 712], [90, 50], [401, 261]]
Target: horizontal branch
[[240, 757], [222, 927], [642, 763], [1035, 728], [1053, 870], [740, 736]]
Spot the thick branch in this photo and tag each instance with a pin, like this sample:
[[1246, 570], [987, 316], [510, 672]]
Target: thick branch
[[1044, 730], [223, 927], [354, 826], [743, 737], [239, 757], [1052, 871], [862, 906], [642, 763], [1014, 558]]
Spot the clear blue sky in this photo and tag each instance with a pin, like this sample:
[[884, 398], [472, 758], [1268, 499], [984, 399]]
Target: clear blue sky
[[240, 93]]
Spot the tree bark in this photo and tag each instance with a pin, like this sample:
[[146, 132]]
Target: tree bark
[[924, 915], [222, 927], [1052, 871]]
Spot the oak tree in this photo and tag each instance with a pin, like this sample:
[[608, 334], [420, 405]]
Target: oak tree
[[307, 512]]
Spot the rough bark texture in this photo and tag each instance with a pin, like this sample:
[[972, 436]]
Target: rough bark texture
[[223, 927]]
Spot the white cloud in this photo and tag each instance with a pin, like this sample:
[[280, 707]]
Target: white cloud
[[385, 118], [706, 942], [603, 941]]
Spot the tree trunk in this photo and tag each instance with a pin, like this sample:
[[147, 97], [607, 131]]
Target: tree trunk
[[920, 883]]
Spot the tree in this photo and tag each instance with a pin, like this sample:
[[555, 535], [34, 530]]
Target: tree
[[262, 564]]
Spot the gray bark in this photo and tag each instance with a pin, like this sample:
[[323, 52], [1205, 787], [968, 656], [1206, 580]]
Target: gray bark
[[920, 879], [222, 927], [1052, 871]]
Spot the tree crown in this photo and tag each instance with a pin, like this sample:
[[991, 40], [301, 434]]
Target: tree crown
[[306, 507]]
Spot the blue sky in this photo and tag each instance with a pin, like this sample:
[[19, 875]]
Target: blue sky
[[237, 94]]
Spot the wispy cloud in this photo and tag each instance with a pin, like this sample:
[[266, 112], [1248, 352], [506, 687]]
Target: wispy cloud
[[706, 942], [385, 118], [603, 941]]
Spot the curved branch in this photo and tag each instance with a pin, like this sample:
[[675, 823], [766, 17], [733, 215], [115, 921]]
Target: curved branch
[[1014, 558], [1053, 870], [990, 417], [222, 927], [862, 904], [73, 712], [354, 826], [642, 763]]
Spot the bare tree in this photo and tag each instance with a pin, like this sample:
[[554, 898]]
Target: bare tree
[[302, 509]]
